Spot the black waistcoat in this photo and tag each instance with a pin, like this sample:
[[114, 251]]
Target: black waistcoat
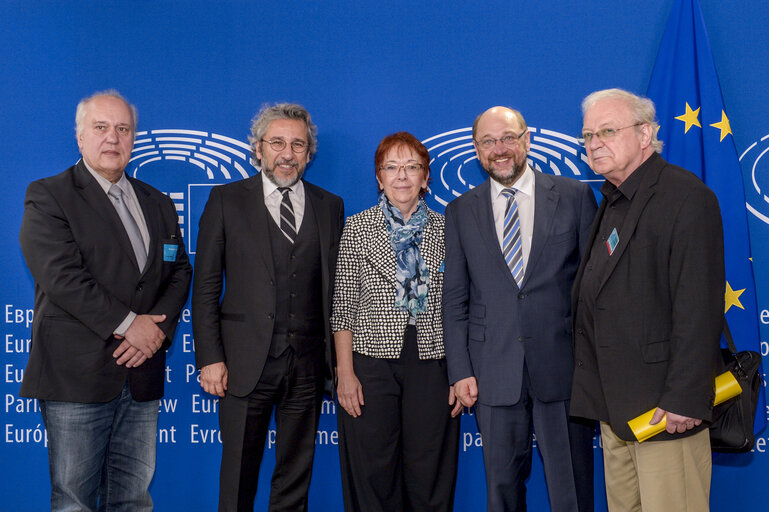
[[299, 288]]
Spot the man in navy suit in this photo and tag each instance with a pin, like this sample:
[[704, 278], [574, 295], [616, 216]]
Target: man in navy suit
[[111, 277], [513, 245]]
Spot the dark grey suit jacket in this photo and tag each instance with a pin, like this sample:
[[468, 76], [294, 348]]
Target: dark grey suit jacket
[[234, 323], [490, 325], [660, 308], [87, 281]]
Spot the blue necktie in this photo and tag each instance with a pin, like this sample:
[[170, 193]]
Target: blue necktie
[[511, 237], [130, 225]]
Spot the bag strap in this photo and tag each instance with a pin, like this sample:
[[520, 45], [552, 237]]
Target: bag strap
[[728, 336]]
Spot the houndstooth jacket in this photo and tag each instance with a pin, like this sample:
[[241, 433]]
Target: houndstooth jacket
[[364, 292]]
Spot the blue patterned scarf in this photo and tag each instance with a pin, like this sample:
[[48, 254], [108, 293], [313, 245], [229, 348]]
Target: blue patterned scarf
[[412, 277]]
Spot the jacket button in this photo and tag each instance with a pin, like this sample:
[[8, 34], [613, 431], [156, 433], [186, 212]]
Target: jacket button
[[579, 363], [270, 315], [139, 287], [520, 338], [580, 331], [521, 295]]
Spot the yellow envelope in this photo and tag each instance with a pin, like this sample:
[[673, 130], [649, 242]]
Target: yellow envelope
[[726, 387]]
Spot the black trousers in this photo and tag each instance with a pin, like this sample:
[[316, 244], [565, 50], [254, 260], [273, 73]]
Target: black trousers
[[292, 384], [401, 453]]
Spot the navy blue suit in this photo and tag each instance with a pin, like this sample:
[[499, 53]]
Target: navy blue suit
[[515, 341]]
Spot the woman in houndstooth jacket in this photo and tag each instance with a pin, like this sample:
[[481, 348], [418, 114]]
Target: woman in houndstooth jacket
[[398, 425]]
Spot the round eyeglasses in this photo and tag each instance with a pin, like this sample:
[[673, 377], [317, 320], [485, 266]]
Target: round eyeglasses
[[297, 146]]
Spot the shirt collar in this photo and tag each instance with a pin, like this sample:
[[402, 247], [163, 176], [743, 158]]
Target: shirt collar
[[523, 185], [630, 186], [270, 187], [104, 183]]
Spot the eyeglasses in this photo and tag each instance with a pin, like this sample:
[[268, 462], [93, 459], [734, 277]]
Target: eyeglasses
[[507, 140], [606, 133], [411, 169], [297, 146]]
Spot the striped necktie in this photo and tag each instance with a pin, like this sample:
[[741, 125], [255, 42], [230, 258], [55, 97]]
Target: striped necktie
[[287, 219], [511, 241]]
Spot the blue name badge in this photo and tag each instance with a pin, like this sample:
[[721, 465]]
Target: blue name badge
[[169, 252], [612, 242], [443, 266]]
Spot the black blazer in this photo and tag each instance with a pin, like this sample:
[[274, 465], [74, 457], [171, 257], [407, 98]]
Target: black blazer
[[660, 308], [234, 323], [87, 281]]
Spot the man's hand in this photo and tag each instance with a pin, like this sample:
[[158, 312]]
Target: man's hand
[[144, 334], [350, 394], [128, 354], [456, 403], [674, 423], [213, 379], [466, 391]]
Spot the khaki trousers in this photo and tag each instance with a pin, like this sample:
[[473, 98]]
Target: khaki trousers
[[657, 476]]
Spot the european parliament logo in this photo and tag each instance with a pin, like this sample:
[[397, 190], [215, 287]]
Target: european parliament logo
[[455, 168], [186, 164], [756, 161]]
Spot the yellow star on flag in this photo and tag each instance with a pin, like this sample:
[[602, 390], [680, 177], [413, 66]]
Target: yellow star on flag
[[723, 125], [732, 297], [690, 117]]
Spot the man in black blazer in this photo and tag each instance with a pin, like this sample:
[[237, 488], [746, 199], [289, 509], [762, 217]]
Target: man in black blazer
[[507, 326], [111, 276], [649, 306], [262, 341]]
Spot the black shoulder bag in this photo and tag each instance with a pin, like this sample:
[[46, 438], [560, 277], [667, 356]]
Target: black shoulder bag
[[732, 427]]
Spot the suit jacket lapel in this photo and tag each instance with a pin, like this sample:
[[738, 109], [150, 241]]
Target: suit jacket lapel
[[314, 199], [383, 261], [152, 218], [583, 261], [484, 217], [640, 200], [545, 204], [95, 196], [259, 217]]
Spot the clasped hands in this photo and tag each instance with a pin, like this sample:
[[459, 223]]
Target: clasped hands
[[141, 340]]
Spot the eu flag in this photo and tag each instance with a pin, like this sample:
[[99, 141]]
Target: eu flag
[[698, 137]]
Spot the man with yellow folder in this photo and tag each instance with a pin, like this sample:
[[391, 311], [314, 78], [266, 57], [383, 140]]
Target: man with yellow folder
[[648, 303]]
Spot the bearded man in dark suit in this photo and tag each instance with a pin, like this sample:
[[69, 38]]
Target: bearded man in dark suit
[[262, 342]]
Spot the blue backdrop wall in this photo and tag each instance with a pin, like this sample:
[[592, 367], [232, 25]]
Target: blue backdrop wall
[[198, 71]]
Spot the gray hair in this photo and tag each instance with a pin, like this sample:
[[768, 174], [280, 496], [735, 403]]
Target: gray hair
[[109, 93], [267, 114], [518, 116], [642, 109]]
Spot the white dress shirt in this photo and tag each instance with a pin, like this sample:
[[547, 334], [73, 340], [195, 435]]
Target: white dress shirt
[[524, 196], [273, 197]]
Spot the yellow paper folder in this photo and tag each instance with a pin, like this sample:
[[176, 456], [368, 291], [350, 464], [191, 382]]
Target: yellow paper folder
[[726, 387]]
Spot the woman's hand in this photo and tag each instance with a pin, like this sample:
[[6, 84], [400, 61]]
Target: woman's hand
[[350, 394], [457, 410]]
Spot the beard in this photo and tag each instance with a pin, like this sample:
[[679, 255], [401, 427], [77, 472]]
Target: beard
[[504, 179], [281, 181]]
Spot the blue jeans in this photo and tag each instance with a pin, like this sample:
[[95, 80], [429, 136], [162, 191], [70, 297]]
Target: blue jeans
[[101, 453]]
